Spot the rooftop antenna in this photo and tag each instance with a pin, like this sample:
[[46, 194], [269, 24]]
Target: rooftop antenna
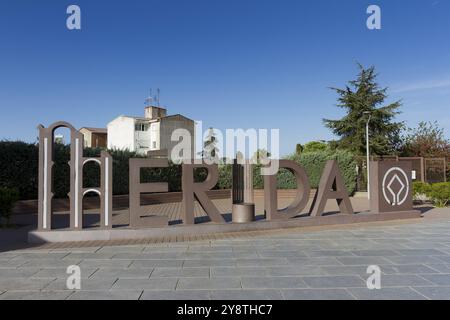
[[158, 92], [149, 99]]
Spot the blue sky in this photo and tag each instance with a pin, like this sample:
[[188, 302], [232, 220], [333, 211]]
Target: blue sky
[[229, 63]]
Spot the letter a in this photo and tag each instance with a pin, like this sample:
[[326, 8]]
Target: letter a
[[74, 280], [374, 280], [374, 20], [331, 186], [73, 22]]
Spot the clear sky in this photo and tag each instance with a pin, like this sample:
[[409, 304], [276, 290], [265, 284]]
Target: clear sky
[[230, 63]]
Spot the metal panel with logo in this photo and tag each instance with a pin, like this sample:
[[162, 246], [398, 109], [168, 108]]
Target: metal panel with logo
[[391, 186]]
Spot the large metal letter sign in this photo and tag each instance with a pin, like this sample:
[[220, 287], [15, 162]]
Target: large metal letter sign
[[391, 186], [138, 218], [270, 192], [192, 191], [77, 192], [331, 186]]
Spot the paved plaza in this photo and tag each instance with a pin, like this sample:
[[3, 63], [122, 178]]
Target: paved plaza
[[314, 263]]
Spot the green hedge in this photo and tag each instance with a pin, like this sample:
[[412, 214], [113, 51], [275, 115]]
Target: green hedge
[[313, 162], [7, 199], [19, 170]]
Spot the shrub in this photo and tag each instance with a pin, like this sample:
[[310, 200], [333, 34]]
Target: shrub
[[7, 199], [314, 163], [421, 190], [440, 194]]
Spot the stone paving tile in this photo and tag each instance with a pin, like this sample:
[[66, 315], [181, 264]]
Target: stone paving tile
[[181, 273], [148, 256], [246, 295], [8, 255], [329, 253], [280, 254], [77, 250], [18, 272], [434, 293], [23, 283], [51, 263], [208, 284], [41, 256], [406, 269], [429, 245], [334, 281], [403, 280], [440, 267], [414, 260], [445, 259], [207, 255], [146, 264], [359, 261], [420, 252], [438, 279], [89, 255], [262, 262], [62, 273], [106, 295], [295, 271], [176, 295], [8, 263], [105, 263], [246, 255], [317, 294], [209, 249], [294, 247], [154, 249], [35, 295], [86, 284], [375, 253], [209, 263], [272, 282], [345, 270], [238, 271], [403, 293], [145, 284], [121, 273], [318, 261], [118, 249]]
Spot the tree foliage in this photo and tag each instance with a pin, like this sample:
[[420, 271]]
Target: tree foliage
[[315, 146], [358, 97], [427, 140]]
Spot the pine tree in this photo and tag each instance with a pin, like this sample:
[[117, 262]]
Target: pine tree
[[360, 96], [210, 150]]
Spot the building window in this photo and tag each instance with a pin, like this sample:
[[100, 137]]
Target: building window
[[141, 127], [154, 144]]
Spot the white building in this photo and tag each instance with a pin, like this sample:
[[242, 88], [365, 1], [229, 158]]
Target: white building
[[149, 133]]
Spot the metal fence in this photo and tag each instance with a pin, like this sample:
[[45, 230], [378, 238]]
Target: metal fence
[[429, 170]]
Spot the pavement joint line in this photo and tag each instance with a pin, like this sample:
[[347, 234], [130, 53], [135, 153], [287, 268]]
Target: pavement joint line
[[413, 289], [351, 294], [70, 294]]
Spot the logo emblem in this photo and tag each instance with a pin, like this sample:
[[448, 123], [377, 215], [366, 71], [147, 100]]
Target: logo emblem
[[395, 186]]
